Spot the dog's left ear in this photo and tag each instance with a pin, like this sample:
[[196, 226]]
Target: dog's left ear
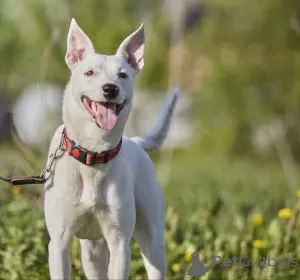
[[79, 45], [133, 47]]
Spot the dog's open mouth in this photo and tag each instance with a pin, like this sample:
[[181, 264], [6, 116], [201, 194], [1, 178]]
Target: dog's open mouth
[[105, 114]]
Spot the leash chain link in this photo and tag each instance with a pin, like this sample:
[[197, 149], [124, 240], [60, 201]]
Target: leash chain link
[[52, 157]]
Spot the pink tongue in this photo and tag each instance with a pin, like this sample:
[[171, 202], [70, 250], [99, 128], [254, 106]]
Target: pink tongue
[[106, 117]]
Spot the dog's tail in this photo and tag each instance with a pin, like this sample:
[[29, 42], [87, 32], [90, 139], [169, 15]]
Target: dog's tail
[[155, 138]]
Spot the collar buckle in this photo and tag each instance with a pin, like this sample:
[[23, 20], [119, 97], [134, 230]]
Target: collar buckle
[[77, 152]]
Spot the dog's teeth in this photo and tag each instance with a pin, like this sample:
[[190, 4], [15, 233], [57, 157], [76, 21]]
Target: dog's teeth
[[93, 106]]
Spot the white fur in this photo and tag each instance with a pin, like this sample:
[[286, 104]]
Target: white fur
[[105, 205]]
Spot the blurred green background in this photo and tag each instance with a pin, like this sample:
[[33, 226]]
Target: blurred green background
[[233, 190]]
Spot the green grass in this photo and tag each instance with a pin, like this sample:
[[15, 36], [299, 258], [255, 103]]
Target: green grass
[[210, 206]]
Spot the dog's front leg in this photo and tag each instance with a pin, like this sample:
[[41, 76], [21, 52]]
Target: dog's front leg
[[118, 230], [59, 259], [61, 221], [119, 264]]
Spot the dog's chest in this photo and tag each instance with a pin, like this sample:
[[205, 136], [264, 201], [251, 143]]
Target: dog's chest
[[94, 184], [98, 193]]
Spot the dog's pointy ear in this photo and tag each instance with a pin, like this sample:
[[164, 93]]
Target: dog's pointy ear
[[79, 45], [133, 47]]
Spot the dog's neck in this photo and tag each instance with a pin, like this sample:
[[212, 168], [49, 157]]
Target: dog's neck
[[86, 134]]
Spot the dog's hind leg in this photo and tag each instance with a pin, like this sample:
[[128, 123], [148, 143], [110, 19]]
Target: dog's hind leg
[[94, 258], [153, 253], [149, 230]]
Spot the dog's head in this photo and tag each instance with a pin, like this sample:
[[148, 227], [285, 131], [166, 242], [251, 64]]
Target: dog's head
[[101, 86]]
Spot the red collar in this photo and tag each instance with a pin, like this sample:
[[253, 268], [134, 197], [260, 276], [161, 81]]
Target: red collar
[[85, 156]]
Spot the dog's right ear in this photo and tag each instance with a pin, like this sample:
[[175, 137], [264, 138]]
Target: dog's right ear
[[79, 45]]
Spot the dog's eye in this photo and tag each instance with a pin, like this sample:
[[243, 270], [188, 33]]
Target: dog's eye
[[89, 73], [123, 75]]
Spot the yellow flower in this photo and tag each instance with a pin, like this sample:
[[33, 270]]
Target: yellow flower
[[298, 193], [16, 190], [258, 244], [188, 256], [176, 267], [23, 247], [285, 213], [257, 219]]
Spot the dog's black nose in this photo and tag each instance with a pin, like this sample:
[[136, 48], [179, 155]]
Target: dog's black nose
[[111, 91]]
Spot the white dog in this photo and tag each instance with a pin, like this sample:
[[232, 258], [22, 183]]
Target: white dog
[[103, 189]]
